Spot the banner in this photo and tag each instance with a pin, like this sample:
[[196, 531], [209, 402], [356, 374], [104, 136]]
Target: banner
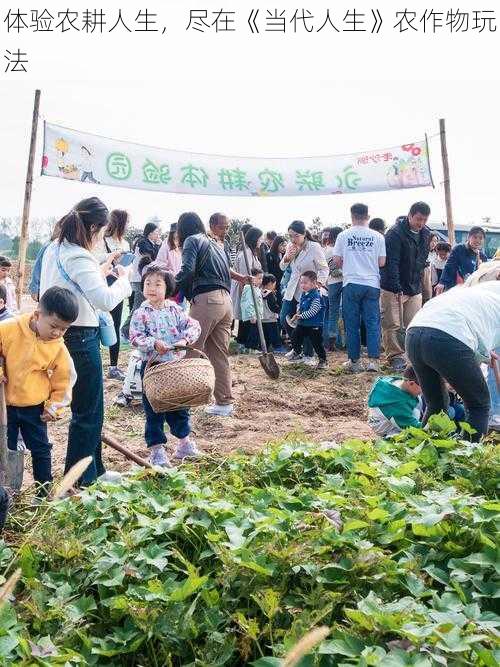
[[89, 158]]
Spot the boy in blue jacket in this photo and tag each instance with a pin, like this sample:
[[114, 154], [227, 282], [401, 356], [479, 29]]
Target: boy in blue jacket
[[308, 320]]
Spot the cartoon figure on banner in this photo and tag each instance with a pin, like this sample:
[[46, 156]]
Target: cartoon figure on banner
[[407, 173], [66, 169], [86, 165]]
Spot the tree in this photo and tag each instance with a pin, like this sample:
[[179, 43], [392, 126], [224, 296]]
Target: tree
[[315, 227], [233, 232], [132, 233]]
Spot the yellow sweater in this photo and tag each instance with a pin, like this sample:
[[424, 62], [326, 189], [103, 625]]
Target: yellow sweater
[[37, 371]]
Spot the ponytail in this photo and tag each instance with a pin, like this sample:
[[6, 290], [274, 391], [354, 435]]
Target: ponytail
[[81, 223]]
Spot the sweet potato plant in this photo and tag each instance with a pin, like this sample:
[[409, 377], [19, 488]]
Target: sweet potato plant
[[392, 544]]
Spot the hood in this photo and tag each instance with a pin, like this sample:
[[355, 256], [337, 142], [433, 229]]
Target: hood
[[385, 392]]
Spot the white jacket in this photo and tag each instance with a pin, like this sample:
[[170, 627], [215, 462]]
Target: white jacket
[[83, 268], [310, 258]]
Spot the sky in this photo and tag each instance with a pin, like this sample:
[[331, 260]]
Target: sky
[[262, 118]]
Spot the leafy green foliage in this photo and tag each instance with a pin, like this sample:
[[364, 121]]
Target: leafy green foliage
[[393, 544]]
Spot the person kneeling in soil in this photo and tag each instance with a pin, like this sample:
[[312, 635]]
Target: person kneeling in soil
[[308, 321], [393, 404], [39, 375], [156, 326]]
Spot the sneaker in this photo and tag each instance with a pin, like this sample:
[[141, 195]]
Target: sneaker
[[353, 366], [373, 366], [220, 410], [114, 373], [158, 457], [332, 344], [322, 365], [309, 361], [122, 400], [293, 356], [398, 364], [110, 476], [280, 350], [187, 450]]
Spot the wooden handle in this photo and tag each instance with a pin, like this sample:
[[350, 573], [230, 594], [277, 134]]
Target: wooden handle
[[111, 442], [252, 288], [3, 406], [3, 431], [154, 358], [496, 372]]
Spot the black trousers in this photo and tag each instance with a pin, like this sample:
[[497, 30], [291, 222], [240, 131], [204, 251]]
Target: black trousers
[[314, 334], [436, 356], [114, 350], [4, 507], [34, 431]]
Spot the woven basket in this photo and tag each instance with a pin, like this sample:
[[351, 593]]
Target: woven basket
[[186, 383]]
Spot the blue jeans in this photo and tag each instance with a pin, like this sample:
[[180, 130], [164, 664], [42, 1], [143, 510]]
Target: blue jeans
[[334, 300], [34, 432], [290, 308], [361, 303], [87, 405], [178, 421]]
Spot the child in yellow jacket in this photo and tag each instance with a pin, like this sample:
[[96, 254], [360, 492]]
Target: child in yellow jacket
[[39, 375]]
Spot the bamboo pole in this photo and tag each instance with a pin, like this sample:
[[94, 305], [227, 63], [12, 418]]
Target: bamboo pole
[[4, 459], [447, 188], [23, 236], [114, 444]]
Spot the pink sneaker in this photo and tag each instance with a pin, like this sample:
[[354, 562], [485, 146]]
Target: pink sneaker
[[187, 450], [158, 456]]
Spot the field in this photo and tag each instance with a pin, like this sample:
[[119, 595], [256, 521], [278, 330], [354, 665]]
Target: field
[[295, 519], [322, 406]]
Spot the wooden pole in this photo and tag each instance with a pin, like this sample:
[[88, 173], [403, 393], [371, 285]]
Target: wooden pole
[[447, 189], [4, 459], [114, 444], [23, 236]]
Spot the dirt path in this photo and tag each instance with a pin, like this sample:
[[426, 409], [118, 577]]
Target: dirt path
[[326, 405]]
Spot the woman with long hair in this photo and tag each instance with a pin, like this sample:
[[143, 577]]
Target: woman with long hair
[[169, 255], [115, 244], [253, 242], [70, 262], [274, 257], [302, 254], [205, 278], [146, 245]]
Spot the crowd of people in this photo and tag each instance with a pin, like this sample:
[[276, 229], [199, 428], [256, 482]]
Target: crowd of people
[[356, 288]]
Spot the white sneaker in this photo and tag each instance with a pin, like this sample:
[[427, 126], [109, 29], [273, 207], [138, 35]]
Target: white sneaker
[[309, 361], [293, 356], [158, 457], [373, 366], [220, 410], [353, 366]]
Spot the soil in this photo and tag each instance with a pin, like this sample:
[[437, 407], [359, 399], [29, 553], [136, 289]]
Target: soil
[[320, 405]]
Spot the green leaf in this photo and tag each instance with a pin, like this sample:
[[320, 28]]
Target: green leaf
[[378, 515], [354, 524], [187, 588]]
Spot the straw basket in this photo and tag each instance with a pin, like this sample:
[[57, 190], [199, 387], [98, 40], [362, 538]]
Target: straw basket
[[186, 383]]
